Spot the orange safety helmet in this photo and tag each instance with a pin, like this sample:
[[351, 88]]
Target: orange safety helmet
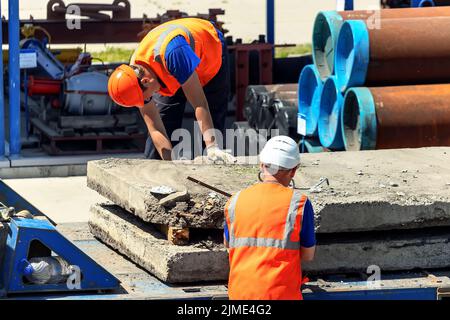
[[124, 88]]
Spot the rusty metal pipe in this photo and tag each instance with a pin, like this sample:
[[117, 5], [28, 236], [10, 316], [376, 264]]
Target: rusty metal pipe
[[401, 52], [396, 117], [328, 24]]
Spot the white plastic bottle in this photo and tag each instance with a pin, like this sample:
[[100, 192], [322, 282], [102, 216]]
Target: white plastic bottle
[[47, 270]]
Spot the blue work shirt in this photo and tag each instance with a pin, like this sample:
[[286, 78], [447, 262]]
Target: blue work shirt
[[307, 234], [181, 60]]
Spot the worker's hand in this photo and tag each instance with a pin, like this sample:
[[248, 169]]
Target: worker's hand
[[215, 154]]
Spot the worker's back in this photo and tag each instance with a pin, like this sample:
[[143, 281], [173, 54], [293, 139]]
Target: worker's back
[[263, 226]]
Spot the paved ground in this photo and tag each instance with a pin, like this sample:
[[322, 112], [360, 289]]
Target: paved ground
[[64, 200]]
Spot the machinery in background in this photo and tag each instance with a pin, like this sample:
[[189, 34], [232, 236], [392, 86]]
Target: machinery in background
[[103, 23], [71, 110], [272, 107], [413, 3]]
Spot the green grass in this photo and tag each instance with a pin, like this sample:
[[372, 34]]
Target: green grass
[[299, 49], [113, 54], [117, 54]]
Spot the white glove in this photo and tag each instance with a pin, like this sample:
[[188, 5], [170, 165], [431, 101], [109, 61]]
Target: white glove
[[216, 155]]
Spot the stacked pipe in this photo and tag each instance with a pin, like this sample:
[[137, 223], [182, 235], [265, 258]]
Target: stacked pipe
[[382, 79]]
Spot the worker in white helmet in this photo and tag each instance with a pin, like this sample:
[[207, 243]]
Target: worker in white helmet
[[269, 229]]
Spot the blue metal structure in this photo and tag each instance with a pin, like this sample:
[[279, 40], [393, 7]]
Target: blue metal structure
[[14, 79], [28, 235], [344, 5], [381, 294], [270, 21], [422, 3], [2, 97]]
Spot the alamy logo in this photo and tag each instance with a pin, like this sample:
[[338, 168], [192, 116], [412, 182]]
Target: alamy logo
[[75, 22], [374, 272], [74, 280]]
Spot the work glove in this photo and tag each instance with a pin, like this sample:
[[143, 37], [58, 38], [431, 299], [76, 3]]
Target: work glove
[[216, 155]]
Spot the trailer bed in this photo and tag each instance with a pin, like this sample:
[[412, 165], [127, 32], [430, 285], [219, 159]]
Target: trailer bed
[[137, 283]]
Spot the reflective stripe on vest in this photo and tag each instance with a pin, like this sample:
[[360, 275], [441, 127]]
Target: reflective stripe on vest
[[285, 243], [162, 37]]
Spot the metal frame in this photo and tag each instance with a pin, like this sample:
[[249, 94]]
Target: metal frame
[[21, 234]]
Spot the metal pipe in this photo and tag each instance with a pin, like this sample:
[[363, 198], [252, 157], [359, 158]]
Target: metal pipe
[[380, 57], [422, 3], [331, 101], [311, 146], [328, 24], [2, 98], [396, 117], [14, 79], [309, 91], [429, 3]]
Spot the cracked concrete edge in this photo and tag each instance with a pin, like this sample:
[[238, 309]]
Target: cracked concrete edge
[[331, 215], [144, 246], [139, 201], [381, 215], [405, 252]]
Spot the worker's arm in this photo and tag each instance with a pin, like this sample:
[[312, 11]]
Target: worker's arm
[[194, 93], [307, 254], [307, 234], [157, 130]]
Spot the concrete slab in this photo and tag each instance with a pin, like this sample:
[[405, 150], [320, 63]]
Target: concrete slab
[[64, 200], [390, 251], [38, 158], [370, 190], [147, 247]]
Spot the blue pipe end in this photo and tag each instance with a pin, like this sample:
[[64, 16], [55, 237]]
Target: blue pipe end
[[325, 35], [311, 146], [309, 91], [352, 55], [422, 3], [359, 120], [331, 101]]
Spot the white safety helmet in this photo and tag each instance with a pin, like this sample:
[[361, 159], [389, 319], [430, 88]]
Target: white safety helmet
[[282, 152]]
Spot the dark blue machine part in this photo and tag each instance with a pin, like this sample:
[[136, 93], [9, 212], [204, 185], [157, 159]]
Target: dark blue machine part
[[22, 233]]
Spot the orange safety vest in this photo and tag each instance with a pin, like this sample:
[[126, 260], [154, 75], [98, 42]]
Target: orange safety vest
[[264, 223], [202, 37]]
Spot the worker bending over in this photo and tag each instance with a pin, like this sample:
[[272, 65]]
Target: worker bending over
[[178, 61], [269, 229]]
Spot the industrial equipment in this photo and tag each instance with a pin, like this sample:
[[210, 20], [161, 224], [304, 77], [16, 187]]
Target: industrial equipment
[[272, 107], [36, 239], [69, 108]]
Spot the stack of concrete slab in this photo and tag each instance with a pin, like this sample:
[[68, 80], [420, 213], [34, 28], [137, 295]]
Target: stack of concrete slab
[[389, 208]]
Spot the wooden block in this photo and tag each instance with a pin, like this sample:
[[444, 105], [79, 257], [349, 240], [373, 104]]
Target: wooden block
[[175, 235]]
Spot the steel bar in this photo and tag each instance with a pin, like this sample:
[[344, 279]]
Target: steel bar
[[2, 99], [380, 57], [397, 117], [328, 24], [14, 79], [226, 194]]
